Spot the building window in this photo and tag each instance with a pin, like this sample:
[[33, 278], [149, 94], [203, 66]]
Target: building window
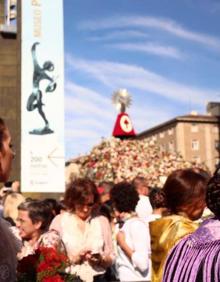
[[162, 147], [161, 135], [10, 12], [194, 127], [217, 144], [170, 131], [196, 159], [10, 16], [195, 145], [215, 129], [171, 146]]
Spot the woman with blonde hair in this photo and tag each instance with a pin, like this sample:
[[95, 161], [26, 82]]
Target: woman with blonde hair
[[10, 206]]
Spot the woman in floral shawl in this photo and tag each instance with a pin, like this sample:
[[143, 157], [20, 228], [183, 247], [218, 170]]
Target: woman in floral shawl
[[42, 254]]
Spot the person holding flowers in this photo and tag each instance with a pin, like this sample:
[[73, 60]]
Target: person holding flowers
[[42, 256], [87, 236]]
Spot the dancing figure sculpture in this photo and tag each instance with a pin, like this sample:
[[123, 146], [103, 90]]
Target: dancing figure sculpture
[[35, 99]]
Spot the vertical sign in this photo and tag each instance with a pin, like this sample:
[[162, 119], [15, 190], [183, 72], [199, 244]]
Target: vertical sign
[[42, 142]]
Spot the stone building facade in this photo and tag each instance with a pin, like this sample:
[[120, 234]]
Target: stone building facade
[[195, 136]]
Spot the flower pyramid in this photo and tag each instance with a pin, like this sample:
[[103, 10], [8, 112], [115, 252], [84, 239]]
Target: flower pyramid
[[117, 160]]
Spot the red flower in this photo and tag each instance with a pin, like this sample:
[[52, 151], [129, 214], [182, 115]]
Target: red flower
[[46, 264], [51, 262], [43, 266], [55, 278]]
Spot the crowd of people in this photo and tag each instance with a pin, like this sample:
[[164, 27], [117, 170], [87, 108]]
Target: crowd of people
[[123, 231]]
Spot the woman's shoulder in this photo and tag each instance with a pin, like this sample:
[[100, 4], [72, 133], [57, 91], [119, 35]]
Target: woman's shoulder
[[173, 219], [135, 222], [101, 218], [173, 224], [208, 232], [185, 223], [50, 239], [60, 219]]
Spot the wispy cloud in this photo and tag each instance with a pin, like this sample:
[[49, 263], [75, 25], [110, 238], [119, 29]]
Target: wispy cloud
[[117, 75], [84, 93], [83, 133], [152, 48], [80, 142], [76, 105], [84, 122], [162, 24], [119, 35]]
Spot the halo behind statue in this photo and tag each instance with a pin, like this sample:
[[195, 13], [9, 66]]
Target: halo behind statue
[[123, 128], [121, 99]]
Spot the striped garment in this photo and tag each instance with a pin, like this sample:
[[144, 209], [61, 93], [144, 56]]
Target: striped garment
[[196, 258]]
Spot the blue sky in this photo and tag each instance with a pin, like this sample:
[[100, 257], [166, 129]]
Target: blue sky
[[166, 53]]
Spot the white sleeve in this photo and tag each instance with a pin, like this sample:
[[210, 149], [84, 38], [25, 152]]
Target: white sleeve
[[107, 236], [140, 236], [143, 208]]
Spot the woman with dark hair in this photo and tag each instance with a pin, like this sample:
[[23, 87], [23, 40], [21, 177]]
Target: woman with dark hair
[[184, 192], [8, 244], [158, 203], [196, 258], [87, 237], [132, 263], [54, 205]]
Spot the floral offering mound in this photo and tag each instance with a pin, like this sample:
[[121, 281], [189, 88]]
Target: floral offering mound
[[117, 160]]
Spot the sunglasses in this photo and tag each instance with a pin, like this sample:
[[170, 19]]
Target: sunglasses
[[88, 205]]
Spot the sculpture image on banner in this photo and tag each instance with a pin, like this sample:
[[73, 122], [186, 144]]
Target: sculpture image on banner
[[42, 99], [35, 99]]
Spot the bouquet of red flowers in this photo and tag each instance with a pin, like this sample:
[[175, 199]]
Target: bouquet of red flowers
[[45, 265], [51, 265]]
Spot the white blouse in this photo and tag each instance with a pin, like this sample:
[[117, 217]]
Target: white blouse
[[138, 239], [91, 239]]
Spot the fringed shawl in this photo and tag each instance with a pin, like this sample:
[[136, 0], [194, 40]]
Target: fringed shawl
[[196, 258]]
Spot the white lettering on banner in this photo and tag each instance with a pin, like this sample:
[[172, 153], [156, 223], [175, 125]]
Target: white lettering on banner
[[37, 23], [36, 3]]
